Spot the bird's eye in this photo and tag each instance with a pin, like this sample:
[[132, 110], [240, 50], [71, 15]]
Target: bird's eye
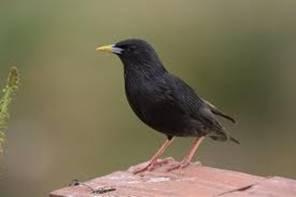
[[128, 48], [133, 47]]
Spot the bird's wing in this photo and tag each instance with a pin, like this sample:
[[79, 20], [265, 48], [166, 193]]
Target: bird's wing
[[199, 109], [185, 98], [190, 99], [216, 111]]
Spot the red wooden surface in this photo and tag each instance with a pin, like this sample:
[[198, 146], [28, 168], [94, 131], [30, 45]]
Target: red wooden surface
[[195, 180]]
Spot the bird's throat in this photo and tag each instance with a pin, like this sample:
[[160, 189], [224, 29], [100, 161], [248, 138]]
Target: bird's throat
[[143, 72]]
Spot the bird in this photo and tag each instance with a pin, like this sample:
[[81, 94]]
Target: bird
[[165, 102]]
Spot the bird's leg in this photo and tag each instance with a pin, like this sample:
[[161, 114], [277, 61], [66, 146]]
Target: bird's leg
[[189, 156], [154, 159]]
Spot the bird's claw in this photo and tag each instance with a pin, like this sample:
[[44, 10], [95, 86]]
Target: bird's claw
[[148, 167], [151, 166], [181, 165]]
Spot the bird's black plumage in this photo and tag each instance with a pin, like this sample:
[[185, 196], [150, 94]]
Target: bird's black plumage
[[162, 100]]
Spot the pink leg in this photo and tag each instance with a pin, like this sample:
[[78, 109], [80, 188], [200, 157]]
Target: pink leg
[[153, 161], [189, 156]]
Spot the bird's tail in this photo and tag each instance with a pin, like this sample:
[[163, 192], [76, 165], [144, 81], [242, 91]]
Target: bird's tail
[[234, 140], [223, 136], [218, 112]]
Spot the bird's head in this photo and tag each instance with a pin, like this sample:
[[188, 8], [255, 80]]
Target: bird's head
[[133, 52]]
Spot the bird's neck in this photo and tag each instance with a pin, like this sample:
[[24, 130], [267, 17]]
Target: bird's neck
[[143, 71]]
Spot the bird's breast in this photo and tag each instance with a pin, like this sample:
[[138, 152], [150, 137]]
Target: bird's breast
[[139, 96], [153, 106]]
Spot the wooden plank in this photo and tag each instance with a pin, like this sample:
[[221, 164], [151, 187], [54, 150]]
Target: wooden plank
[[195, 180]]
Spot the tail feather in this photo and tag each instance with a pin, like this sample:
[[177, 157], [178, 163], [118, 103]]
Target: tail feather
[[221, 136], [216, 111], [234, 140], [223, 115]]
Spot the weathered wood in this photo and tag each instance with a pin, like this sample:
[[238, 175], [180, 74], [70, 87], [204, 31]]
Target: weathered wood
[[195, 180]]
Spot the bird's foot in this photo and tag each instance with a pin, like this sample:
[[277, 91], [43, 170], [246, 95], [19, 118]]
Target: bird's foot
[[180, 165], [152, 165]]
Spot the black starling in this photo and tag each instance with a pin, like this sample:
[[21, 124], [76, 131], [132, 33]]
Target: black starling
[[165, 102]]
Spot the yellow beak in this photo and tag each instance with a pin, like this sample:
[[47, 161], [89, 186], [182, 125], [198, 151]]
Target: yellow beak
[[106, 48]]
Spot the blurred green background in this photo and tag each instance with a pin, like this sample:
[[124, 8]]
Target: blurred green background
[[70, 118]]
